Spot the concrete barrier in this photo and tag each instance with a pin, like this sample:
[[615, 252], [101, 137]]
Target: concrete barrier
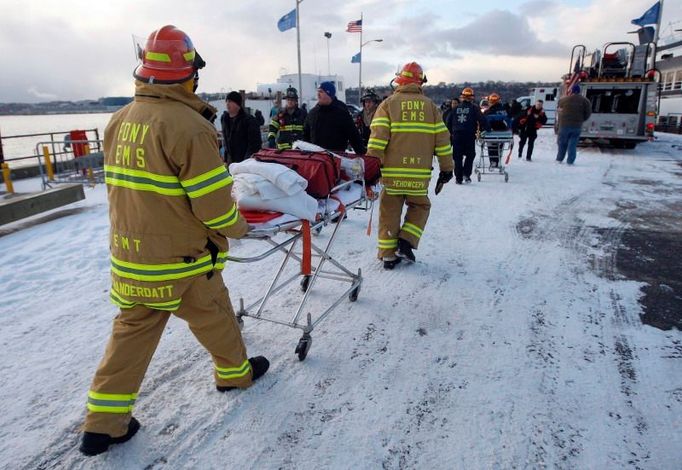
[[25, 205]]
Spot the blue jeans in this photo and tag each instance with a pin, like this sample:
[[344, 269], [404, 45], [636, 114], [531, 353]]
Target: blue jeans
[[567, 140]]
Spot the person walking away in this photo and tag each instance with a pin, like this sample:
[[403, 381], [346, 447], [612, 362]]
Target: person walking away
[[497, 120], [171, 213], [370, 101], [407, 131], [330, 125], [454, 102], [287, 126], [241, 133], [464, 123], [533, 119], [259, 117], [516, 113], [571, 112]]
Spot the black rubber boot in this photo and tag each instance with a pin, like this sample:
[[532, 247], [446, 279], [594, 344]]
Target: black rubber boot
[[390, 262], [259, 366], [405, 251], [95, 443]]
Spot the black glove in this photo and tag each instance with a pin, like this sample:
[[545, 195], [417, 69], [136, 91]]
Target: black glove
[[271, 143], [443, 178]]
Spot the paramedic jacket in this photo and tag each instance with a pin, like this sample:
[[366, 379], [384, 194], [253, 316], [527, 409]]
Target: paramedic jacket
[[465, 120], [286, 128], [407, 131], [170, 205]]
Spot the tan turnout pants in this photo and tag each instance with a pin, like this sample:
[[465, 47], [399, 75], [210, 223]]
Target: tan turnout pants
[[207, 309], [390, 217]]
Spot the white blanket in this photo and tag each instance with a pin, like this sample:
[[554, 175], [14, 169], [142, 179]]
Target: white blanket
[[301, 205], [280, 176]]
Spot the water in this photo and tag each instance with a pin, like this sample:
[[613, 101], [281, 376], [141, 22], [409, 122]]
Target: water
[[58, 123]]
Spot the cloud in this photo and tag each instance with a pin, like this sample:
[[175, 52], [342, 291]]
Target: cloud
[[33, 91], [535, 8]]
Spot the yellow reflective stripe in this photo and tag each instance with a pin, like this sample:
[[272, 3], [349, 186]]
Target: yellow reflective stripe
[[160, 272], [234, 372], [406, 192], [405, 73], [416, 171], [221, 260], [271, 135], [396, 174], [224, 220], [120, 403], [413, 229], [140, 180], [291, 127], [443, 148], [274, 124], [378, 143], [207, 182], [157, 56], [189, 56], [119, 301], [283, 146], [388, 243], [382, 122], [375, 147], [417, 127]]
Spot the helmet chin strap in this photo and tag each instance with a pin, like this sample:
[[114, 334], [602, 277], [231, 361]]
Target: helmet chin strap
[[195, 85]]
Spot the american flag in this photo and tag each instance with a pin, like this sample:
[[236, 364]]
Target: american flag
[[354, 26], [574, 79]]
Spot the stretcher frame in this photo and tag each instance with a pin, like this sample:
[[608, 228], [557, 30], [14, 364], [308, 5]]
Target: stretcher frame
[[505, 139], [309, 272]]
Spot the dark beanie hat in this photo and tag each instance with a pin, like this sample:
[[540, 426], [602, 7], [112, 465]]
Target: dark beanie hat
[[235, 98], [575, 89], [328, 88]]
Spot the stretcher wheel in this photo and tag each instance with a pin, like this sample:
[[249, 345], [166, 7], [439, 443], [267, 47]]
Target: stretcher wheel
[[478, 177], [506, 177], [353, 296], [305, 282], [303, 346]]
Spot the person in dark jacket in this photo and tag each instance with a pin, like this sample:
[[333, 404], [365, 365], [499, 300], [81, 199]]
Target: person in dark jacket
[[516, 113], [329, 124], [370, 101], [241, 134], [572, 111], [532, 120], [453, 103], [259, 117], [463, 122]]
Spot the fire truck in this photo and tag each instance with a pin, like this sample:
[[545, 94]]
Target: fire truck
[[622, 89]]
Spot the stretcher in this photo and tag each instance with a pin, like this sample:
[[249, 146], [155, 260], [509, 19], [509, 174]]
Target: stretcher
[[497, 145], [309, 261]]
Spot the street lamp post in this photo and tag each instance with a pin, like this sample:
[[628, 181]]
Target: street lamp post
[[328, 35], [362, 44]]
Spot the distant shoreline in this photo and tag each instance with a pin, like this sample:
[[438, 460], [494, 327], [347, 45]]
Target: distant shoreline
[[57, 113]]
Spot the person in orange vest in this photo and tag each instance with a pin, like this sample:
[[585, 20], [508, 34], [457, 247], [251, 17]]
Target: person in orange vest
[[171, 213], [407, 131]]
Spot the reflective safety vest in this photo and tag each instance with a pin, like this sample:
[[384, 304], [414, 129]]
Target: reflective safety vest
[[170, 202], [286, 128], [407, 131]]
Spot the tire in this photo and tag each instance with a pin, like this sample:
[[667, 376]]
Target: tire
[[303, 346], [353, 296], [305, 283]]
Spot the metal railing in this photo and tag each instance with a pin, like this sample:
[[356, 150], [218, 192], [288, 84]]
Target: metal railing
[[57, 143], [65, 167]]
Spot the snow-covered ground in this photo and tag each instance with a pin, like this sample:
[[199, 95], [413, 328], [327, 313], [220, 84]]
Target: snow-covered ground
[[512, 343]]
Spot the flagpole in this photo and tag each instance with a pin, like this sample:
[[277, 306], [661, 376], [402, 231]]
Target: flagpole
[[658, 24], [298, 47], [360, 74]]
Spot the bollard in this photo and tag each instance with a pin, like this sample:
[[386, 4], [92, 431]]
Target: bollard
[[48, 163], [91, 177], [7, 178]]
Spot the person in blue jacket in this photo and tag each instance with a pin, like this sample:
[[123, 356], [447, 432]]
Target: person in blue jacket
[[497, 120]]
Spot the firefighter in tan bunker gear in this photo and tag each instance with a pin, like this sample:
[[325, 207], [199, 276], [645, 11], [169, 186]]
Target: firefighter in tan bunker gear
[[171, 212], [407, 131]]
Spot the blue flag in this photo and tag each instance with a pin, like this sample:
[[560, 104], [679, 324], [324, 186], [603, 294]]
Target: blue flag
[[288, 21], [356, 58], [650, 16]]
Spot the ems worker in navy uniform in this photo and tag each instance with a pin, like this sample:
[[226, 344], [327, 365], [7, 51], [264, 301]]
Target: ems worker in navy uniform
[[464, 121]]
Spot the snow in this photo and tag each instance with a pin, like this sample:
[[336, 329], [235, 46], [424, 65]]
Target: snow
[[512, 343]]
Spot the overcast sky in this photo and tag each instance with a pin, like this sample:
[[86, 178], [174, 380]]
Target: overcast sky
[[78, 49]]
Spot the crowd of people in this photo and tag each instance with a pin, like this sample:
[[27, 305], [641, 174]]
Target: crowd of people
[[172, 211]]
